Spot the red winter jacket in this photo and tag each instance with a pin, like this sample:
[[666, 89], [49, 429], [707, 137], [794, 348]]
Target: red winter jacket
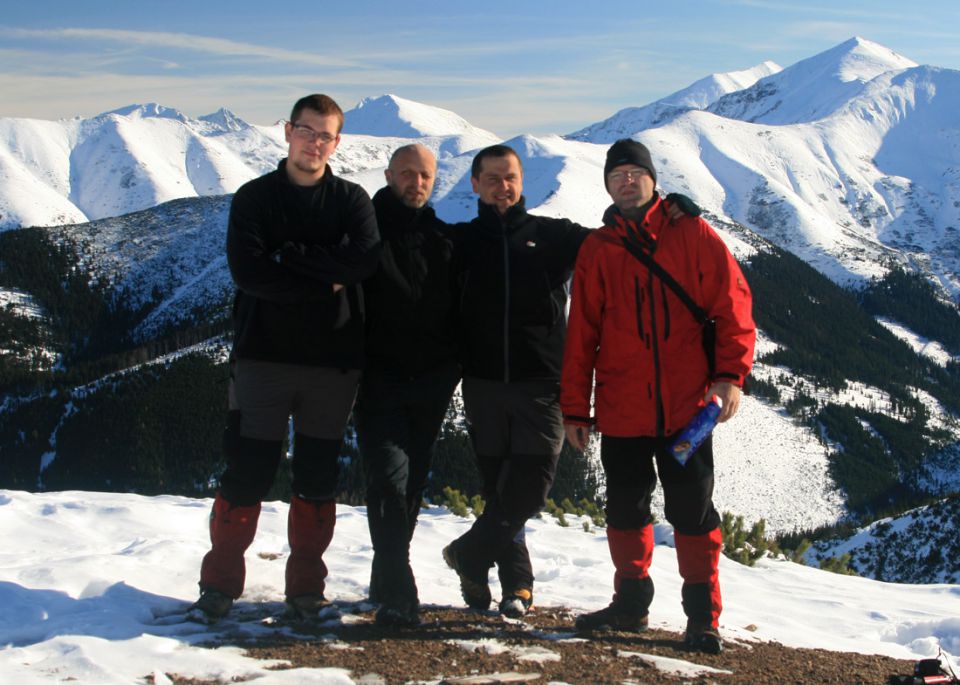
[[637, 335]]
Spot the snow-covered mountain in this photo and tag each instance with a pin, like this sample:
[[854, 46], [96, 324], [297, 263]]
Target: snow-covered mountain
[[168, 261], [913, 548], [849, 159], [136, 157], [78, 170], [698, 95], [812, 88], [389, 116], [873, 180]]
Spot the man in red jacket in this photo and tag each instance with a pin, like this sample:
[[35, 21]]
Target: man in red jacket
[[645, 347]]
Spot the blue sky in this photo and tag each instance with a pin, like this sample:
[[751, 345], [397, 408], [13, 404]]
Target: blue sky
[[511, 67]]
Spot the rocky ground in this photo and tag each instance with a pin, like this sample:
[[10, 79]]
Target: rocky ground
[[458, 646]]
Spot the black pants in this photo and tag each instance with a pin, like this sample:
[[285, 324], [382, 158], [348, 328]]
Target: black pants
[[515, 489], [687, 490], [398, 421], [517, 433]]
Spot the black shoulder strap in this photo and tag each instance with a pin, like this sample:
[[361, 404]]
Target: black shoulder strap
[[698, 312]]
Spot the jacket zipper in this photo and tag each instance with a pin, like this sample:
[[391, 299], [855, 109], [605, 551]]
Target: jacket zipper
[[639, 305], [506, 303], [658, 397], [666, 312]]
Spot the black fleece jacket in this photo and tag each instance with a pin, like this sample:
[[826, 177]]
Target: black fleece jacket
[[512, 273], [286, 247], [410, 302]]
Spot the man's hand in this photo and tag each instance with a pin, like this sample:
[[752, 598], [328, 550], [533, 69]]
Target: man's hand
[[729, 396], [577, 436], [679, 204], [337, 287]]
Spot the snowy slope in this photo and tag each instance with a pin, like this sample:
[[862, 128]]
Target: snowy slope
[[812, 88], [698, 95], [123, 161], [89, 590], [848, 193], [915, 547], [396, 117]]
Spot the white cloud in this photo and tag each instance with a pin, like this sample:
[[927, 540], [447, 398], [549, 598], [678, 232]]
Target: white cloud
[[180, 41]]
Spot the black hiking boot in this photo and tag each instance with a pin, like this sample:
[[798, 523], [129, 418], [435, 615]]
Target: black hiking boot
[[474, 593], [614, 617], [211, 607], [398, 615], [629, 610], [702, 637]]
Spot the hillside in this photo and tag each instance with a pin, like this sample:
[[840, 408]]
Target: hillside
[[698, 95], [913, 548]]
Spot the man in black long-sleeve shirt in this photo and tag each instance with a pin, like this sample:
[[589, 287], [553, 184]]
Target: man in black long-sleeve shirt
[[512, 268], [299, 242], [410, 373]]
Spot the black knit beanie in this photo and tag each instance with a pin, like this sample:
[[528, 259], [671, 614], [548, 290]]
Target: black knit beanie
[[627, 151]]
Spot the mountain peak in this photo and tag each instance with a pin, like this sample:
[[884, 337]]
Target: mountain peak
[[391, 115], [225, 119], [814, 87], [150, 110], [861, 59]]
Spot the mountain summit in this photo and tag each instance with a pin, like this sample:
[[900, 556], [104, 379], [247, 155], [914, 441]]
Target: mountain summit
[[812, 88], [389, 115], [149, 110]]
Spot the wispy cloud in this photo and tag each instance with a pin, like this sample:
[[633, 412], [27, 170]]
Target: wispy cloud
[[180, 41]]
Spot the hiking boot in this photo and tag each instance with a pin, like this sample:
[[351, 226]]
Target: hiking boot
[[475, 594], [702, 637], [305, 607], [616, 616], [398, 615], [517, 603], [211, 607]]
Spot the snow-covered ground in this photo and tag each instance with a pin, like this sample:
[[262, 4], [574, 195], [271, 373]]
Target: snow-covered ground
[[20, 303], [930, 349], [86, 580]]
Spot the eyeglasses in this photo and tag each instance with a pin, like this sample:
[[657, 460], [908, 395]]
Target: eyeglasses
[[628, 175], [306, 133]]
